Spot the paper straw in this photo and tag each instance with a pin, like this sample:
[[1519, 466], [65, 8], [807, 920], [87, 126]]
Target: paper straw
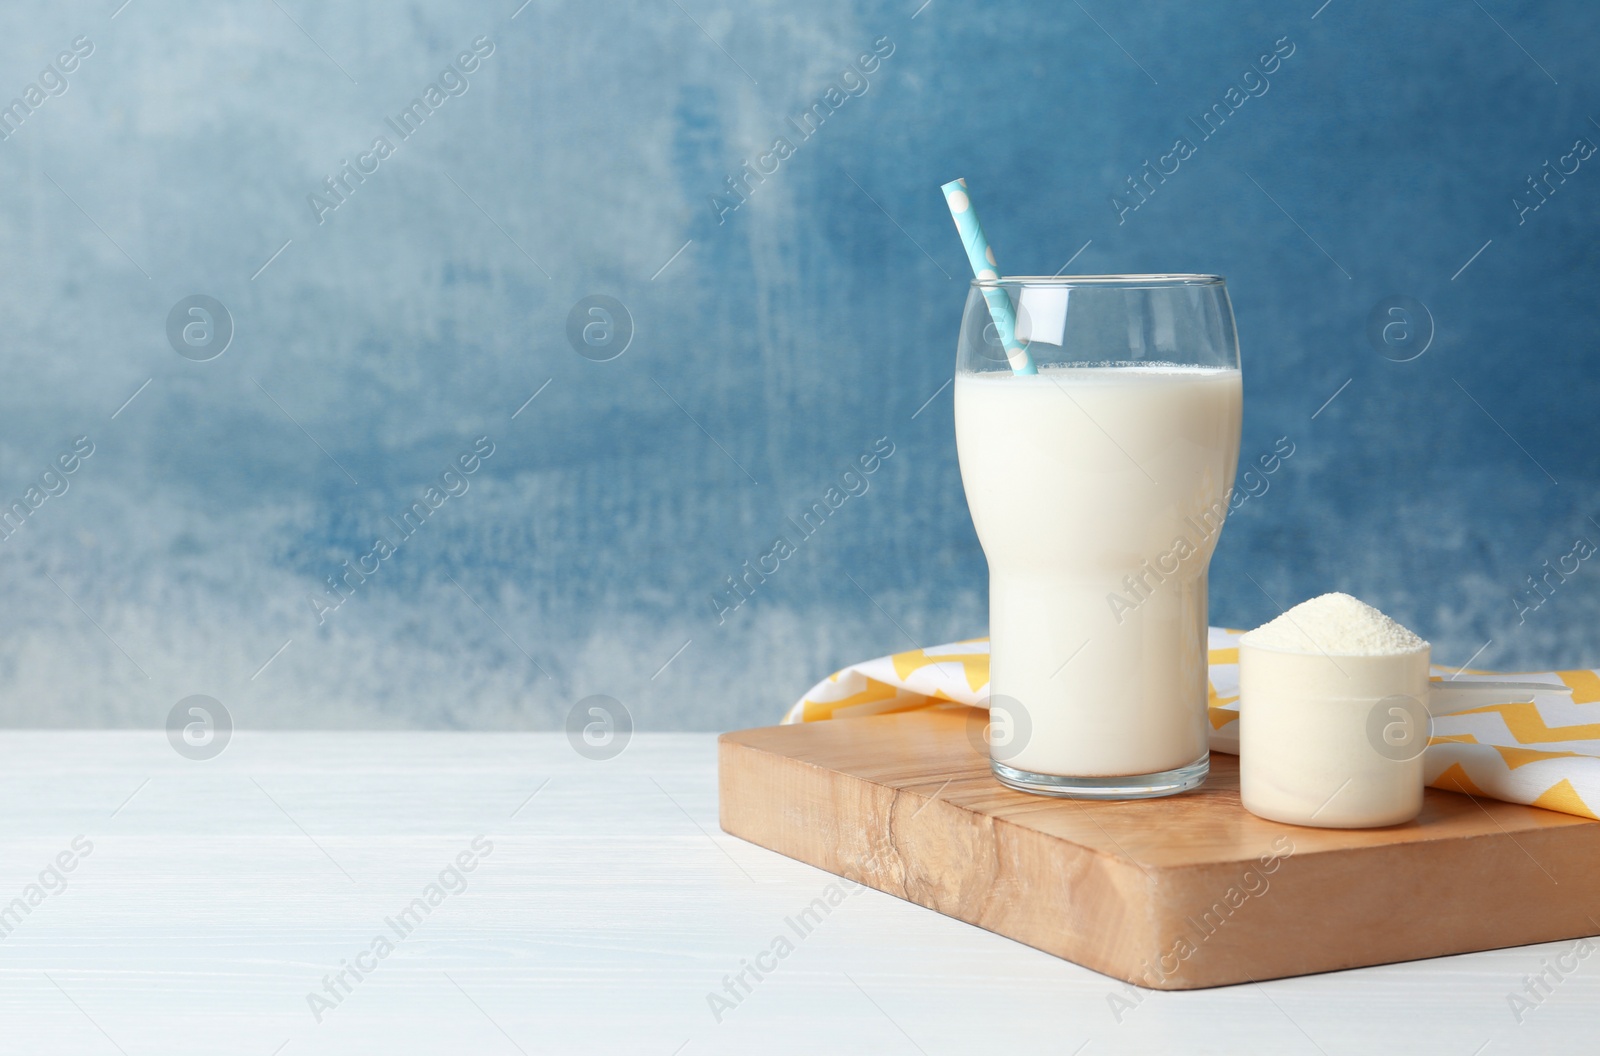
[[984, 266]]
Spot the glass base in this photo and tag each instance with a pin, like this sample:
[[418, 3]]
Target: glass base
[[1133, 786]]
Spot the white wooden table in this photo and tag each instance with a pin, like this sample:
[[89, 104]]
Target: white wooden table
[[218, 894]]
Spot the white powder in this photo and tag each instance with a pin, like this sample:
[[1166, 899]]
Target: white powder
[[1335, 623]]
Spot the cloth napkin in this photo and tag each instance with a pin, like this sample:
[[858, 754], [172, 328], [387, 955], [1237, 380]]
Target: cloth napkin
[[1543, 754]]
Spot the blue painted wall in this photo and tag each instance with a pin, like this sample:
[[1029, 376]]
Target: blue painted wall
[[379, 333]]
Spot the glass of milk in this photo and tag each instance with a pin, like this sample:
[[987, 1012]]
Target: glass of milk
[[1098, 488]]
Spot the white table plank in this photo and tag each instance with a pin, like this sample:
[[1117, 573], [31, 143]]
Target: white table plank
[[608, 909]]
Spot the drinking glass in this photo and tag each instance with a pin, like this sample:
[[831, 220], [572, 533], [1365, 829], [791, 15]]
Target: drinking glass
[[1098, 488]]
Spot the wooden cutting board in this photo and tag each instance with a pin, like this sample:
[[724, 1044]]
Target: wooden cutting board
[[1174, 894]]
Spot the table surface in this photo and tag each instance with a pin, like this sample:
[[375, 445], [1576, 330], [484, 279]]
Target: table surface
[[214, 897]]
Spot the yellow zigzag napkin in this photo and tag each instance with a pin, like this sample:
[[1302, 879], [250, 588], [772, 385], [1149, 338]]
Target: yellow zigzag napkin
[[1544, 754]]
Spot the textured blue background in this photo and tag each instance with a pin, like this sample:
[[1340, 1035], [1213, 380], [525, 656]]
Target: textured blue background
[[819, 316]]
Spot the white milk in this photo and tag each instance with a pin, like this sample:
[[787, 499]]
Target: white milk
[[1088, 484]]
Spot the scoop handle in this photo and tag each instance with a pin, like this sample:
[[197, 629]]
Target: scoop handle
[[1450, 698]]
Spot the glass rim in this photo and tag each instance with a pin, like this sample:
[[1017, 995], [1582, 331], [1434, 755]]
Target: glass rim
[[1131, 282]]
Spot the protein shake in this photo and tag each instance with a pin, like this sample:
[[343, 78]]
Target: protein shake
[[1098, 493]]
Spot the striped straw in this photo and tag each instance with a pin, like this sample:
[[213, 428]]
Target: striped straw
[[981, 257]]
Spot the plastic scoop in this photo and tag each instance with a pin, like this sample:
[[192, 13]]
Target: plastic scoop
[[1338, 742]]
